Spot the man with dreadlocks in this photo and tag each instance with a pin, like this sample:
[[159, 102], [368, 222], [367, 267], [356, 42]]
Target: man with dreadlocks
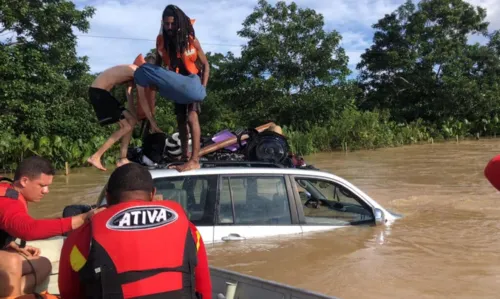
[[183, 81]]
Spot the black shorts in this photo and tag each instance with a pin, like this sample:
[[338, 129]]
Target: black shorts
[[107, 109], [184, 109]]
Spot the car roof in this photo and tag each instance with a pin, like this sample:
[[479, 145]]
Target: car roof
[[209, 168], [257, 168]]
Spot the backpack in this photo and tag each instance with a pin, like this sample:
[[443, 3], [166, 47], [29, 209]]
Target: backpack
[[266, 146]]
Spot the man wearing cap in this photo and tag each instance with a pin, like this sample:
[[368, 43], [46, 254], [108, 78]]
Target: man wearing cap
[[137, 248]]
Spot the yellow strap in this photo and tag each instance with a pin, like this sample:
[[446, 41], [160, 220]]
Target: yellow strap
[[76, 259], [197, 240]]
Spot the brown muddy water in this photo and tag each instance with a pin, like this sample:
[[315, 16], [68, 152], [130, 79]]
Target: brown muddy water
[[446, 246]]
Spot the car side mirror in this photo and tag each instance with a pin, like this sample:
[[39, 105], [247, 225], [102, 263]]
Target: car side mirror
[[73, 210], [379, 216]]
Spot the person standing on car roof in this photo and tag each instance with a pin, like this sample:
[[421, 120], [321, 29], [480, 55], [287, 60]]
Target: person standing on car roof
[[21, 267], [136, 248], [182, 79]]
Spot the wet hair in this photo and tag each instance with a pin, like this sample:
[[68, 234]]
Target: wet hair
[[183, 26], [131, 177], [33, 167]]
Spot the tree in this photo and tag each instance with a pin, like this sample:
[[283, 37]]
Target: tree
[[288, 55], [290, 44], [420, 64], [40, 68]]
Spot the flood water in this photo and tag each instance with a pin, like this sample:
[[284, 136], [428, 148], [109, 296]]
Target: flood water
[[446, 246]]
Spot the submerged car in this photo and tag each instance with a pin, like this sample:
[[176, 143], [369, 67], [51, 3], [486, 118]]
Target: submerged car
[[231, 201]]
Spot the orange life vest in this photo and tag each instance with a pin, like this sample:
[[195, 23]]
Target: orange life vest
[[150, 94], [9, 193], [136, 249], [188, 58]]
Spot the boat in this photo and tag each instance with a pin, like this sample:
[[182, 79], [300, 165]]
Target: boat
[[226, 284]]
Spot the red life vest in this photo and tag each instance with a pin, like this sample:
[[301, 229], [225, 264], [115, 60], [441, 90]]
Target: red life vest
[[140, 250], [492, 172], [9, 193]]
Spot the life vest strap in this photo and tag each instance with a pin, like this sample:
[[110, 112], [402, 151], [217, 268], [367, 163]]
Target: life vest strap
[[131, 276]]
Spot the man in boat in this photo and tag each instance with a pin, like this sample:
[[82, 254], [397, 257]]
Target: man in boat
[[22, 268], [183, 81], [109, 110], [137, 248]]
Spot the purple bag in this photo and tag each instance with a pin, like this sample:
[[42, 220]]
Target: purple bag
[[225, 135]]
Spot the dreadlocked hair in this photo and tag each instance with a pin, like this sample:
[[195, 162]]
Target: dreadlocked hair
[[184, 29]]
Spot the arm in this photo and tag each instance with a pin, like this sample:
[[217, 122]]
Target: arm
[[18, 223], [204, 60], [157, 58], [159, 40], [130, 100], [68, 278], [203, 282], [141, 97]]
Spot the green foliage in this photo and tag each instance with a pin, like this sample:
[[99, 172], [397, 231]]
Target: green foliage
[[420, 81], [421, 65], [59, 149]]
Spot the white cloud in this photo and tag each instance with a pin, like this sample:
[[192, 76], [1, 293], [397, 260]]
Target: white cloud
[[217, 24]]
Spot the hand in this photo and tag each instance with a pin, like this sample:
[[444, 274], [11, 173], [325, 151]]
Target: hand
[[27, 250], [79, 220], [155, 128], [91, 213]]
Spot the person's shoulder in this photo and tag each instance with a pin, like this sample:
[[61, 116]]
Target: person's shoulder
[[10, 198]]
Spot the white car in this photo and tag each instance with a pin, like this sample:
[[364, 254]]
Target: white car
[[231, 201]]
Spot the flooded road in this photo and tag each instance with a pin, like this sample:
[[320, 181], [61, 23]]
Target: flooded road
[[446, 246]]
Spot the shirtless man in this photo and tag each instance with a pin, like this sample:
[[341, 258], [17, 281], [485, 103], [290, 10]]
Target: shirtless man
[[109, 110]]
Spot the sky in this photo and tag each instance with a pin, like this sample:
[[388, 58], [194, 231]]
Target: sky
[[121, 29]]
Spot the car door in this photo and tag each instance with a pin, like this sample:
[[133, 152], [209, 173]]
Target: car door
[[254, 206], [324, 204]]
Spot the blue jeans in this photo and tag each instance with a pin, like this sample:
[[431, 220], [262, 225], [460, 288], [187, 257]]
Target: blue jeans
[[172, 86]]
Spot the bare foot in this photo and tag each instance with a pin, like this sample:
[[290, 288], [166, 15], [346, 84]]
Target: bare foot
[[96, 163], [191, 165], [122, 162]]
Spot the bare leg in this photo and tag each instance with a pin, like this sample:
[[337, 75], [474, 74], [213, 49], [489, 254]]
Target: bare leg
[[42, 269], [125, 142], [194, 127], [10, 274], [125, 127], [182, 126]]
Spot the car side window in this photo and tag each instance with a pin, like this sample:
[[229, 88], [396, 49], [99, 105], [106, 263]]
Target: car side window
[[196, 194], [254, 200], [328, 203]]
